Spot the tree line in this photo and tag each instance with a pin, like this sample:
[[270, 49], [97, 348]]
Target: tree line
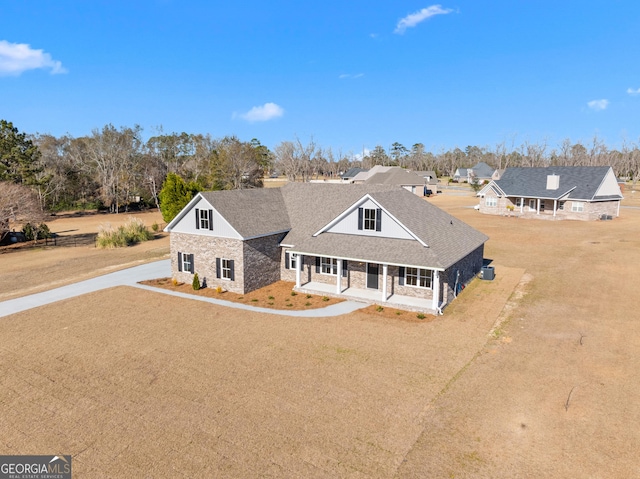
[[114, 167]]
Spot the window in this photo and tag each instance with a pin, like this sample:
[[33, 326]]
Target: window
[[226, 268], [328, 266], [491, 201], [290, 260], [420, 278], [577, 206], [519, 202], [204, 219], [185, 262], [561, 205], [370, 219]]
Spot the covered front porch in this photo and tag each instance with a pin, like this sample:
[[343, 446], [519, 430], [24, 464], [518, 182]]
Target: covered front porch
[[370, 296]]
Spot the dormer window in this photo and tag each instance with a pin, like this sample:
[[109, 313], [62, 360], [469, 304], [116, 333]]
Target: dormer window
[[204, 219]]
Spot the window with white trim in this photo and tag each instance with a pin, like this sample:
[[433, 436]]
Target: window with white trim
[[329, 265], [369, 219], [204, 219], [293, 260], [518, 202], [418, 277], [491, 201], [186, 262], [561, 205], [225, 266], [577, 206]]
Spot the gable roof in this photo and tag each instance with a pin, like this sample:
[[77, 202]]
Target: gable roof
[[302, 209], [350, 173], [482, 170], [396, 176], [448, 238], [251, 212], [575, 182]]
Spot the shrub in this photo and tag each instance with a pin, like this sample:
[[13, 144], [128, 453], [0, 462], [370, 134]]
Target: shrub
[[155, 227], [196, 282], [132, 232], [421, 316], [308, 296], [174, 281], [32, 232], [325, 298], [379, 309], [307, 303], [293, 293], [219, 289]]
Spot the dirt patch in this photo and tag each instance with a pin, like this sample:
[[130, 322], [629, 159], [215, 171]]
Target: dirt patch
[[278, 295]]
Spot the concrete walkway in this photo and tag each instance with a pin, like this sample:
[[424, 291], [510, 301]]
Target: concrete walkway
[[157, 269]]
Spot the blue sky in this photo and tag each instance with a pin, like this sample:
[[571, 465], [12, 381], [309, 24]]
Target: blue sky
[[350, 74]]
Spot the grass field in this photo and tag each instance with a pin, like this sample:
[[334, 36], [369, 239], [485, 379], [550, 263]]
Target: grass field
[[534, 374]]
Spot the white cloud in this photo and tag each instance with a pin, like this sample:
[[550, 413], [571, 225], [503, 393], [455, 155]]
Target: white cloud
[[351, 76], [420, 16], [266, 112], [16, 58], [633, 92], [598, 105]]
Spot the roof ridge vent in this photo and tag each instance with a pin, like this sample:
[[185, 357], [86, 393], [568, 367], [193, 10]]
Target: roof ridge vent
[[553, 181]]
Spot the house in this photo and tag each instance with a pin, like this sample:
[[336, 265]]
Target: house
[[431, 180], [480, 172], [374, 243], [554, 192], [347, 176], [399, 177]]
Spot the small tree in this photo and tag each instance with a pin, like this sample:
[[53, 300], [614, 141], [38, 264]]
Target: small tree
[[196, 282], [175, 195]]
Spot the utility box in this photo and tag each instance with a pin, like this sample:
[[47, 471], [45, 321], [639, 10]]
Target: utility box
[[487, 272]]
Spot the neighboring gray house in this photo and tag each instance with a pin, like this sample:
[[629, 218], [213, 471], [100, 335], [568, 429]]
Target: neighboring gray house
[[350, 174], [554, 192], [481, 172], [375, 243]]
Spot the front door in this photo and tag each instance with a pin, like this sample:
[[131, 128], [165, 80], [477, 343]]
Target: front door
[[372, 276]]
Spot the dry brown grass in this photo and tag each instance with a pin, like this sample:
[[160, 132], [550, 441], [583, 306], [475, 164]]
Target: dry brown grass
[[134, 383]]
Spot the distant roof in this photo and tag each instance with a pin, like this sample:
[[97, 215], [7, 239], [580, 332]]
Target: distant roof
[[350, 173], [578, 182], [482, 170], [396, 176], [428, 174]]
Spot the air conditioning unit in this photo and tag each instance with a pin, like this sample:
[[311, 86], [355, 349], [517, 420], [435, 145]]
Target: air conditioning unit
[[487, 273]]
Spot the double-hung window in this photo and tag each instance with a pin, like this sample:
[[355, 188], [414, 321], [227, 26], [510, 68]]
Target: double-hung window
[[225, 268], [491, 201], [369, 219], [204, 219], [577, 206], [418, 277], [328, 265], [185, 262]]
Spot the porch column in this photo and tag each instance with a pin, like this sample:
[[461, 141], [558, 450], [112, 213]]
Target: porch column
[[384, 282], [436, 290], [339, 277], [555, 206], [298, 270], [521, 205], [538, 207]]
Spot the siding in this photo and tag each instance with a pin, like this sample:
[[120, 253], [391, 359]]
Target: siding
[[221, 227], [349, 224]]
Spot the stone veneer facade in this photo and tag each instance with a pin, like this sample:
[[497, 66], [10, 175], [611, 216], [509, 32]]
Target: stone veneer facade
[[592, 210], [256, 261]]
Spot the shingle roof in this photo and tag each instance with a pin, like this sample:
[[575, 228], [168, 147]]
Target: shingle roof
[[396, 176], [351, 173], [448, 238], [253, 212], [303, 209], [579, 182], [482, 170]]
